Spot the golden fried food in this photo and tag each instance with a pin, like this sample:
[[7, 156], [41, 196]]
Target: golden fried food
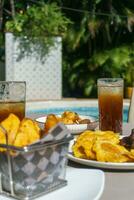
[[19, 133], [109, 152], [87, 140], [79, 151], [85, 143], [101, 135], [102, 146], [67, 121], [28, 133], [11, 125], [88, 149], [85, 135], [2, 137], [131, 154], [68, 117], [108, 135], [73, 116], [51, 121]]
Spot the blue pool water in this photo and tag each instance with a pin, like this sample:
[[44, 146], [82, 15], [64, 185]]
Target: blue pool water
[[88, 111]]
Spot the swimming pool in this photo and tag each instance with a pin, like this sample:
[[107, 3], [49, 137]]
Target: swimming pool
[[82, 108]]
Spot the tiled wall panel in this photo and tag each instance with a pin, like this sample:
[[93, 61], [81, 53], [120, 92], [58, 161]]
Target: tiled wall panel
[[44, 80]]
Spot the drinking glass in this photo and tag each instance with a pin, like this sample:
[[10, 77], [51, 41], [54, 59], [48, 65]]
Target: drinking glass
[[110, 100], [12, 99]]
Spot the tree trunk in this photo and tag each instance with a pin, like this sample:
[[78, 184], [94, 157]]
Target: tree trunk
[[1, 14], [12, 8]]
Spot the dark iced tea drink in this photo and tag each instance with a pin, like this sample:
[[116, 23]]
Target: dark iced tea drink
[[110, 99], [12, 99], [18, 108]]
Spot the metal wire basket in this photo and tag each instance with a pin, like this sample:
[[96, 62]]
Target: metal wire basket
[[31, 171]]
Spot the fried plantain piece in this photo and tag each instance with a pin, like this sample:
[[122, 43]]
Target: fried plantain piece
[[86, 135], [28, 133], [51, 121], [100, 145], [110, 152], [67, 121], [108, 135], [88, 149], [72, 116], [84, 144], [132, 152], [131, 155], [68, 117], [2, 138], [11, 126], [79, 151]]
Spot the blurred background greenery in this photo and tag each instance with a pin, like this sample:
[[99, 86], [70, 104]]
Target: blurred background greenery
[[99, 41]]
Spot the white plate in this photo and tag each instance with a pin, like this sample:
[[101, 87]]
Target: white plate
[[92, 179], [93, 163], [76, 128]]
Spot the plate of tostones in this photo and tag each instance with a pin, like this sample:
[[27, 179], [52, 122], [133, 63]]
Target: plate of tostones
[[103, 149], [74, 122]]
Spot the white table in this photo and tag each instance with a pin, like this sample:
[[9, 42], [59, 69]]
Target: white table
[[83, 184]]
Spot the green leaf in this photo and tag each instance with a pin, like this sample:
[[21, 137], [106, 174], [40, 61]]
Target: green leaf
[[42, 22]]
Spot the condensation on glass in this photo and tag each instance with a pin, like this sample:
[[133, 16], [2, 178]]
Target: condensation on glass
[[12, 99], [110, 100]]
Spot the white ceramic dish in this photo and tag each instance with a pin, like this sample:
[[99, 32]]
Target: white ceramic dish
[[93, 163], [76, 128], [92, 179]]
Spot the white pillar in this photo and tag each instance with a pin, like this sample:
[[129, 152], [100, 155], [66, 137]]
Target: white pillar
[[44, 80]]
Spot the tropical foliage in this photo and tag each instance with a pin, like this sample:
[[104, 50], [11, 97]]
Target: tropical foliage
[[99, 43], [36, 27]]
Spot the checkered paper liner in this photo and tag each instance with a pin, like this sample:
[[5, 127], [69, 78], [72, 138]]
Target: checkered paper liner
[[56, 133], [38, 167]]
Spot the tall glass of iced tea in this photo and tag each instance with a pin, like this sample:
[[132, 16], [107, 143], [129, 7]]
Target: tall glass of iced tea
[[110, 100], [12, 99]]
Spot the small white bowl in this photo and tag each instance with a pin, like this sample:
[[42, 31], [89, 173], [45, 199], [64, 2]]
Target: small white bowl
[[76, 128]]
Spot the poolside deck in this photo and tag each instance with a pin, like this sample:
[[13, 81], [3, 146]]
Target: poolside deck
[[72, 102]]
